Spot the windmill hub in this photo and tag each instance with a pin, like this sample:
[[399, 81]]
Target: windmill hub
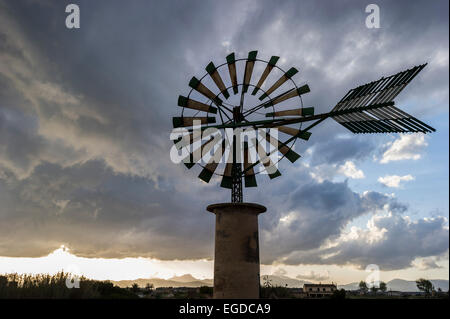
[[237, 114]]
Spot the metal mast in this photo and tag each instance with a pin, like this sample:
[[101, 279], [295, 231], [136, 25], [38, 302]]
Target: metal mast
[[237, 195]]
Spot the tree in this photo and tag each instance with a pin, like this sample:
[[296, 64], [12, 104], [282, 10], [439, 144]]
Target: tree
[[148, 288], [135, 288], [363, 287], [383, 286], [3, 281], [424, 285], [374, 289]]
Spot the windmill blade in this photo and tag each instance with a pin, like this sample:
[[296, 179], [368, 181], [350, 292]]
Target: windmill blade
[[249, 178], [211, 166], [208, 171], [288, 95], [189, 121], [270, 168], [290, 73], [188, 161], [214, 74], [195, 105], [205, 148], [185, 140], [370, 108], [283, 148], [273, 61], [385, 119], [303, 111], [227, 180], [382, 91], [231, 61], [294, 132], [201, 88], [249, 69], [189, 139]]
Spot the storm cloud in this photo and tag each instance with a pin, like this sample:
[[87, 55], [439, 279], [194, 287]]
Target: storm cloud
[[85, 117]]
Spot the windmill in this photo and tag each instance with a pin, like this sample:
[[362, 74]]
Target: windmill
[[268, 101]]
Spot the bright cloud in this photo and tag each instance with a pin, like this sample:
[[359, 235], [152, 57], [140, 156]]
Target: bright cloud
[[394, 180], [390, 241], [349, 169], [62, 259], [312, 275], [324, 172], [405, 147]]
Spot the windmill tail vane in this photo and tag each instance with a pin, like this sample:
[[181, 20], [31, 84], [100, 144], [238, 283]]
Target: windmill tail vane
[[374, 110], [368, 108]]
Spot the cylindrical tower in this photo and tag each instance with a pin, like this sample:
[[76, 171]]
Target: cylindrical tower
[[236, 257]]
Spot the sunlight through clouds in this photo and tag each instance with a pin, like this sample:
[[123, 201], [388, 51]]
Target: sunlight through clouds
[[106, 268]]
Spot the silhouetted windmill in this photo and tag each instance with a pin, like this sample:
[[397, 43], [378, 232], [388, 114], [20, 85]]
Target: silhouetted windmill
[[368, 108]]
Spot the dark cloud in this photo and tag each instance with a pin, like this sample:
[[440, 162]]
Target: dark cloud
[[402, 242], [85, 117], [99, 213], [310, 214], [338, 149]]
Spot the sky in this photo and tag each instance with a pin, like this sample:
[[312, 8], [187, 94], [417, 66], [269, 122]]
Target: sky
[[85, 118]]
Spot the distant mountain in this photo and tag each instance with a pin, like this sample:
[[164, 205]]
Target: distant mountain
[[401, 285], [406, 285], [350, 286], [188, 280], [158, 282], [283, 281], [184, 278]]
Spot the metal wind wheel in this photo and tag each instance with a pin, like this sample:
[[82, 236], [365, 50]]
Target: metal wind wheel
[[255, 93]]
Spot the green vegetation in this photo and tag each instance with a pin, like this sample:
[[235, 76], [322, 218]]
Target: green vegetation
[[363, 287], [424, 285], [267, 290], [203, 292], [48, 286], [275, 292]]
